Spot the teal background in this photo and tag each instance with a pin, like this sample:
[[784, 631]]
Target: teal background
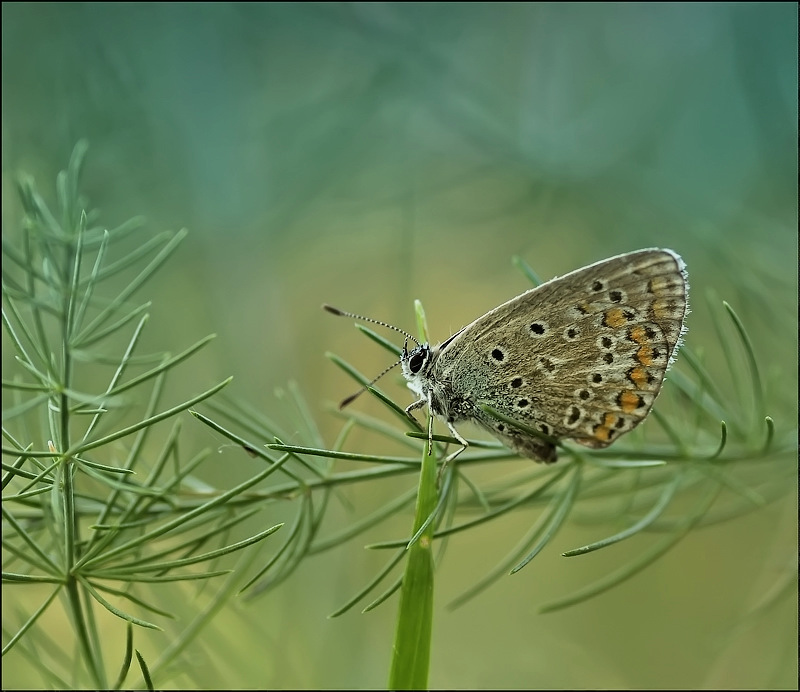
[[369, 154]]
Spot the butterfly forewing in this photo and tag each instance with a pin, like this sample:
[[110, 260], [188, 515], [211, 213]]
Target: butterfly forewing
[[582, 356]]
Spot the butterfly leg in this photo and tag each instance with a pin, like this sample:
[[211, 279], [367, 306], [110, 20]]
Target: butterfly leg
[[464, 444], [412, 407], [430, 424], [419, 403]]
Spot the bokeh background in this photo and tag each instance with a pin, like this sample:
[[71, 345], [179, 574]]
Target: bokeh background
[[369, 154]]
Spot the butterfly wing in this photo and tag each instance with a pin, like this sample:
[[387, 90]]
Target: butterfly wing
[[580, 357]]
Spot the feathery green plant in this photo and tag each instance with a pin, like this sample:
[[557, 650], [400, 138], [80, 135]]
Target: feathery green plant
[[99, 505]]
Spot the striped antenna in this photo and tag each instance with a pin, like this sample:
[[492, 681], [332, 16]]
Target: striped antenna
[[353, 397], [342, 313]]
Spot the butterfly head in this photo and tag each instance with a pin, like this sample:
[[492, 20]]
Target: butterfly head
[[416, 365]]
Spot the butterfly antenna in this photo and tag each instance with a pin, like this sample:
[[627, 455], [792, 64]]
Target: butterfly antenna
[[342, 313], [353, 397]]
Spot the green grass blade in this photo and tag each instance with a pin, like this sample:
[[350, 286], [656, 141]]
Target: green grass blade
[[147, 422], [148, 682], [113, 609], [396, 558], [563, 508], [526, 270], [638, 564], [649, 518], [126, 659], [31, 620], [752, 360]]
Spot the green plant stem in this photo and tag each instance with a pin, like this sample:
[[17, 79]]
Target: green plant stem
[[411, 649]]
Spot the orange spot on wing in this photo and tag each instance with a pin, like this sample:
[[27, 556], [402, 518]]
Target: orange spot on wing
[[645, 355], [638, 376], [602, 432], [629, 401], [638, 335], [614, 318]]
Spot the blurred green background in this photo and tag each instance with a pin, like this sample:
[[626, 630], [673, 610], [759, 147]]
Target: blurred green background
[[369, 154]]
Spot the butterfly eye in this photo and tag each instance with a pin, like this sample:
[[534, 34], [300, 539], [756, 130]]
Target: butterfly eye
[[415, 363]]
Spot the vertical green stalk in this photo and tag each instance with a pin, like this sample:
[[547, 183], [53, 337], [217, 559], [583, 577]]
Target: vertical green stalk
[[69, 282], [412, 642], [411, 650]]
